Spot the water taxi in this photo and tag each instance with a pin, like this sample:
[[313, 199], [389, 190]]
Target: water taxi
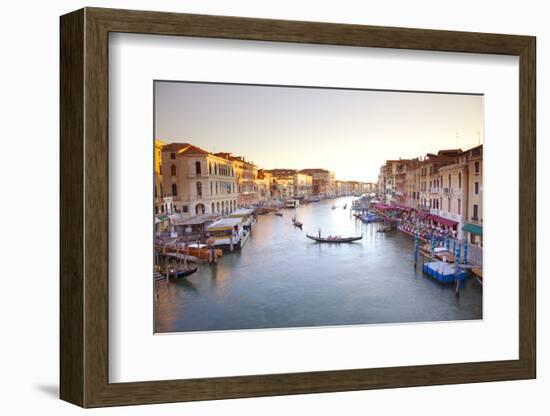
[[292, 203]]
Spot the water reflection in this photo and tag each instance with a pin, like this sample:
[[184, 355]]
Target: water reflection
[[283, 279]]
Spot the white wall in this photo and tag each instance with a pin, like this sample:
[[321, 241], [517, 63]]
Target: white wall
[[29, 293]]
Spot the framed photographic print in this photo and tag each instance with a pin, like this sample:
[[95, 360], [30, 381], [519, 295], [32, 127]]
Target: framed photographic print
[[255, 207]]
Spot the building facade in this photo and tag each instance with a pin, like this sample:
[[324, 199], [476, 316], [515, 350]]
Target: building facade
[[246, 174], [158, 192], [263, 185], [303, 185], [447, 185], [197, 181], [323, 182], [474, 221]]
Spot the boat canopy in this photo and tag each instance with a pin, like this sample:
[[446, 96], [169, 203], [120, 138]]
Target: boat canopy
[[473, 228], [224, 224]]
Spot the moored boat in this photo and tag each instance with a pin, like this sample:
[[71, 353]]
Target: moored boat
[[202, 251], [297, 223], [444, 272], [178, 274]]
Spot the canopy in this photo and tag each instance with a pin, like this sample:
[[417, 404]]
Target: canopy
[[241, 212], [473, 228], [199, 219]]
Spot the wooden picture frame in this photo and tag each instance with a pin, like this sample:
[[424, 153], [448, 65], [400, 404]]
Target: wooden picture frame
[[84, 207]]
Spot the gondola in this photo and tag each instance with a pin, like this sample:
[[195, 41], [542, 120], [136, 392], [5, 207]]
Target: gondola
[[279, 214], [334, 239], [178, 274]]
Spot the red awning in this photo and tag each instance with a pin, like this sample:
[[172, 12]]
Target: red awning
[[384, 207], [404, 207], [443, 221]]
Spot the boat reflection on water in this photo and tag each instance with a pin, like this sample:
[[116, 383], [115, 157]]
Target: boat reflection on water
[[281, 278]]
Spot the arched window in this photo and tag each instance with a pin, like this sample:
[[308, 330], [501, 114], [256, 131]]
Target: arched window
[[217, 206], [199, 209], [173, 170], [215, 168], [199, 188], [449, 182], [210, 168], [198, 168], [174, 189], [459, 179], [211, 188], [213, 207]]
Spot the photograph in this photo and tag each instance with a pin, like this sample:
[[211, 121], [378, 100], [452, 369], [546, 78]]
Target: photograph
[[289, 206]]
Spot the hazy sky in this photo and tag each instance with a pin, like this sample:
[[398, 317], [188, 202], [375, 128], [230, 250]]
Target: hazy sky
[[349, 132]]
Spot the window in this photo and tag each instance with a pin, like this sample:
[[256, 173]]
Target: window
[[476, 188], [213, 207], [210, 168], [211, 189], [161, 191], [185, 208], [174, 189], [459, 180], [449, 181], [449, 204], [199, 188], [198, 168], [459, 206], [476, 167], [173, 170], [474, 216], [215, 168], [172, 155], [155, 188], [199, 208]]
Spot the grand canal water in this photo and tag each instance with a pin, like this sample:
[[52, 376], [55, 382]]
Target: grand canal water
[[282, 279]]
